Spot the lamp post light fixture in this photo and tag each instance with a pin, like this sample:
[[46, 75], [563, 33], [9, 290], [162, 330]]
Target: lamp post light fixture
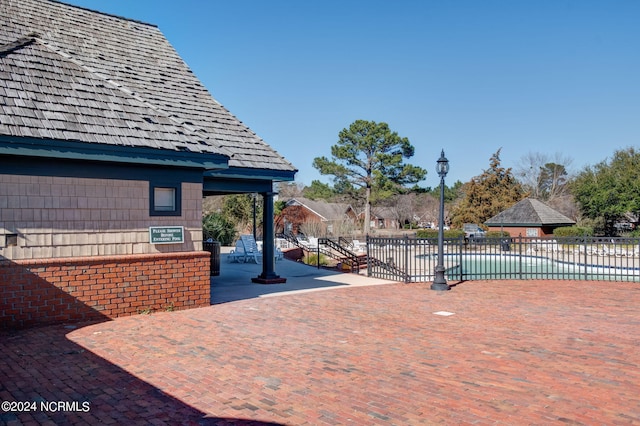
[[439, 281]]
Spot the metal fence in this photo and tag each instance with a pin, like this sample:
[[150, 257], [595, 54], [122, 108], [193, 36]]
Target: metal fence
[[410, 259]]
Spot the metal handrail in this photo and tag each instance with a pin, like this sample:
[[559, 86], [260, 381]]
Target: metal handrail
[[348, 255]]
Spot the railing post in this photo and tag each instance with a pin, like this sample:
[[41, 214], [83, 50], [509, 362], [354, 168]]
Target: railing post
[[585, 258], [366, 239], [520, 255], [406, 258], [460, 248]]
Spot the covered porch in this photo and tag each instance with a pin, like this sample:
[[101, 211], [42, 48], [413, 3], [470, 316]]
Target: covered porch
[[253, 181]]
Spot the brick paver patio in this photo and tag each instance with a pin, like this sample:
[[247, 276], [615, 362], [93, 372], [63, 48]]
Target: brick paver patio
[[512, 353]]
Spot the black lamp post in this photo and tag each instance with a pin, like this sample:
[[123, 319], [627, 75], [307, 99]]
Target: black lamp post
[[439, 281]]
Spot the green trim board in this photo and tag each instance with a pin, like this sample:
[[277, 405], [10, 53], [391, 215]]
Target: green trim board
[[36, 166], [224, 186], [250, 173], [33, 147]]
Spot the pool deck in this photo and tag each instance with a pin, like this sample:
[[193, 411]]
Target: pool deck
[[234, 281]]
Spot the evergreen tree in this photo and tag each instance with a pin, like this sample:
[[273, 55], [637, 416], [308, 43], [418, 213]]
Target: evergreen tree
[[495, 190], [318, 191], [369, 157]]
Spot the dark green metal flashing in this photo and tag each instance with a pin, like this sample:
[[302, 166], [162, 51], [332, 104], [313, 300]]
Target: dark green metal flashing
[[236, 180], [252, 174], [38, 166], [73, 150], [224, 185]]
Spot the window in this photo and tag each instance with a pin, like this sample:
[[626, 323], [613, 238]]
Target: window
[[11, 240], [164, 200], [532, 232]]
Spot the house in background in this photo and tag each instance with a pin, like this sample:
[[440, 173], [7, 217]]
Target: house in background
[[108, 143], [331, 217], [383, 218], [528, 218]]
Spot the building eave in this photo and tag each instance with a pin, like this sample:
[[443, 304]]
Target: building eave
[[251, 173], [537, 225], [73, 150]]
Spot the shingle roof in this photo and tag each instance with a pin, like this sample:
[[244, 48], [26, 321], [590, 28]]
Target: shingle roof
[[327, 211], [529, 212], [45, 95], [73, 74], [383, 213]]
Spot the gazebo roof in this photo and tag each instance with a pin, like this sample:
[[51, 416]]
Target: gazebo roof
[[529, 212]]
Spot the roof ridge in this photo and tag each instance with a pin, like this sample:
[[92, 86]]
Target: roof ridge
[[199, 134], [104, 13]]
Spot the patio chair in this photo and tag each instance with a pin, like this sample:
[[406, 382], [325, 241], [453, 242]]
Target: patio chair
[[311, 244], [251, 248], [620, 252], [606, 251], [357, 246], [238, 254], [592, 250], [279, 255], [245, 250]]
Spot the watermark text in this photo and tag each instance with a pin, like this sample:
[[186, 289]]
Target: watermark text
[[45, 406]]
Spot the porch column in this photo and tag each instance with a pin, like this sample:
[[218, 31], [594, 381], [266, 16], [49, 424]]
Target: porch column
[[268, 275]]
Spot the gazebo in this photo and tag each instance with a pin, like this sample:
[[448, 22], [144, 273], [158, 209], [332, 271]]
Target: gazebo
[[529, 218]]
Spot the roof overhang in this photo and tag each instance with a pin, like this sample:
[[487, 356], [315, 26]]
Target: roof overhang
[[252, 174], [76, 150], [523, 225], [243, 180]]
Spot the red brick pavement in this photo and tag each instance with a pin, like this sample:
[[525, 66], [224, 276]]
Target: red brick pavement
[[513, 353]]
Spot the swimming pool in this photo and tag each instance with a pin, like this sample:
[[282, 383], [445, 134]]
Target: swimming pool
[[507, 266]]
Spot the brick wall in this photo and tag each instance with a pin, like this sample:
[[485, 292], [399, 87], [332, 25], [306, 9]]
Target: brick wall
[[47, 291], [521, 231]]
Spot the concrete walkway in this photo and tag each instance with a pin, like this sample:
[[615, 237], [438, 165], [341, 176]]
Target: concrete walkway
[[484, 353], [234, 281]]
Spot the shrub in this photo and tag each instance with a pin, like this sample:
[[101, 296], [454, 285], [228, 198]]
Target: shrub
[[218, 228], [433, 233], [313, 228], [312, 259], [573, 231], [497, 234]]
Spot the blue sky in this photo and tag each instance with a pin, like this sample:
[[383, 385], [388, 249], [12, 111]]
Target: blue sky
[[556, 77]]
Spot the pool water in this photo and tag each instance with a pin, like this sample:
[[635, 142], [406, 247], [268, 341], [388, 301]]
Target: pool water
[[476, 267]]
